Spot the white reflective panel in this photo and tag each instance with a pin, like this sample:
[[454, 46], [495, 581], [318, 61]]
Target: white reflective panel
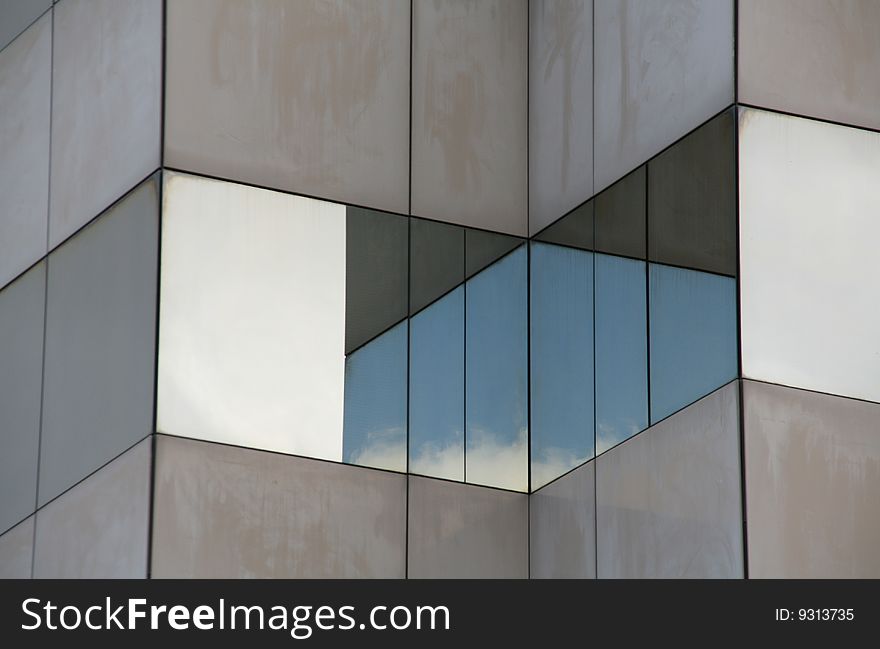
[[252, 317], [810, 223]]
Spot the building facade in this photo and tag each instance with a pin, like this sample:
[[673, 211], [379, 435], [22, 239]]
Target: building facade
[[439, 288]]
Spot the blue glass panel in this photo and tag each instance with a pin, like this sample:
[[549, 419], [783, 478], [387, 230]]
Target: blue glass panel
[[436, 389], [693, 336], [374, 425], [497, 374], [621, 350], [561, 360]]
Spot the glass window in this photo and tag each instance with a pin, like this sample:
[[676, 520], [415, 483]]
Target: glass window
[[252, 321], [482, 248], [376, 275], [436, 261], [693, 336], [692, 200], [374, 425], [561, 360], [436, 392], [574, 229], [810, 223], [496, 374], [621, 350], [620, 216]]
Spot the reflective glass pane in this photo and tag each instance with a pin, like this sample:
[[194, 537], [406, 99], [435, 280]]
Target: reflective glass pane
[[621, 350], [496, 374], [252, 321], [482, 248], [620, 216], [376, 277], [574, 229], [374, 427], [693, 336], [809, 208], [561, 360], [692, 202], [436, 389], [436, 261]]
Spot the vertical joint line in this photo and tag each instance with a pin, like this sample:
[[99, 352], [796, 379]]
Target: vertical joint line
[[409, 182], [735, 51], [593, 191], [529, 486], [648, 289], [408, 287], [45, 289], [464, 361]]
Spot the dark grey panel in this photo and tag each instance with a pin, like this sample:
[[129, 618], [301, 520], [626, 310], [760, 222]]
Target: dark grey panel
[[560, 108], [21, 373], [376, 249], [16, 551], [563, 527], [100, 342], [16, 15], [25, 73], [221, 511], [575, 229], [106, 106], [620, 216], [436, 261], [470, 113], [308, 96], [481, 248], [99, 529], [669, 499], [692, 200], [465, 531], [812, 479]]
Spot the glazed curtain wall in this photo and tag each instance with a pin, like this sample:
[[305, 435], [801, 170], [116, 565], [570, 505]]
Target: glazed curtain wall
[[388, 311]]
